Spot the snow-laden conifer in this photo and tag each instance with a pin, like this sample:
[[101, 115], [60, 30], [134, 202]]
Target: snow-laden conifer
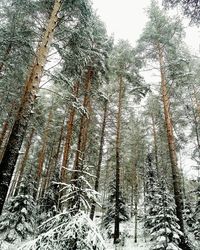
[[17, 223]]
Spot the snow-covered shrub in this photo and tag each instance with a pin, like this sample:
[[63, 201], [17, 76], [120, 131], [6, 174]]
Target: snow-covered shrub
[[17, 223], [64, 231], [72, 229], [189, 216]]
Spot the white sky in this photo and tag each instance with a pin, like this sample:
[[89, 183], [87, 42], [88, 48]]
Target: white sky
[[127, 18]]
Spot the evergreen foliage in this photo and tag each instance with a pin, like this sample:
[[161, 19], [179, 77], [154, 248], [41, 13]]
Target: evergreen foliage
[[64, 231], [18, 222], [69, 151], [197, 216], [191, 8], [162, 221], [109, 216]]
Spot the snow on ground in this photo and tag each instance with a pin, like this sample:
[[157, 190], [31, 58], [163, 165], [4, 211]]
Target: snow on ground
[[127, 229], [129, 244]]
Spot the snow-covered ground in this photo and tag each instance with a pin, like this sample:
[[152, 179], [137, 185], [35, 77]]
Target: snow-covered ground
[[129, 242]]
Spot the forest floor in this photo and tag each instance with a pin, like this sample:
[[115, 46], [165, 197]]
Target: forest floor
[[129, 241]]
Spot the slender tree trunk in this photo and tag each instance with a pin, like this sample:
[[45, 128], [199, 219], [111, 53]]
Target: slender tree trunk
[[19, 175], [54, 164], [31, 87], [176, 176], [96, 186], [49, 165], [5, 130], [68, 140], [136, 217], [42, 153], [118, 142], [3, 136], [82, 138], [135, 183], [196, 118], [83, 126], [155, 143]]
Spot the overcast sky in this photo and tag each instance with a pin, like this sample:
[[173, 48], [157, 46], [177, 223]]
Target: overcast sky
[[127, 18]]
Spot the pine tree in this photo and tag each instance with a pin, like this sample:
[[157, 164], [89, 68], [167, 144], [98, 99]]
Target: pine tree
[[190, 8], [109, 216], [125, 75], [197, 216], [18, 222], [164, 228], [162, 42], [29, 96]]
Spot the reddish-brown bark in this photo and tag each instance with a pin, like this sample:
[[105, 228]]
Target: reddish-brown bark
[[27, 101], [68, 140]]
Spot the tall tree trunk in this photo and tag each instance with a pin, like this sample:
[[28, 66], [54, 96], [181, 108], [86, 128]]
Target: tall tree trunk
[[49, 166], [196, 116], [20, 173], [176, 176], [135, 180], [3, 136], [6, 129], [68, 140], [42, 153], [155, 143], [83, 133], [118, 142], [96, 186], [31, 87], [132, 198], [54, 163]]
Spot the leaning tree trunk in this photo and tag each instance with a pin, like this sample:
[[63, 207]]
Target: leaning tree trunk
[[28, 99], [96, 186], [176, 176], [6, 129], [118, 142], [19, 175]]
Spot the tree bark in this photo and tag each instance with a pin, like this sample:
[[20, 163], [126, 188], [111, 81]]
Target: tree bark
[[118, 142], [176, 176], [23, 163], [155, 143], [68, 140], [28, 99], [42, 153], [54, 165], [5, 130], [135, 178], [83, 133], [48, 169], [96, 186]]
